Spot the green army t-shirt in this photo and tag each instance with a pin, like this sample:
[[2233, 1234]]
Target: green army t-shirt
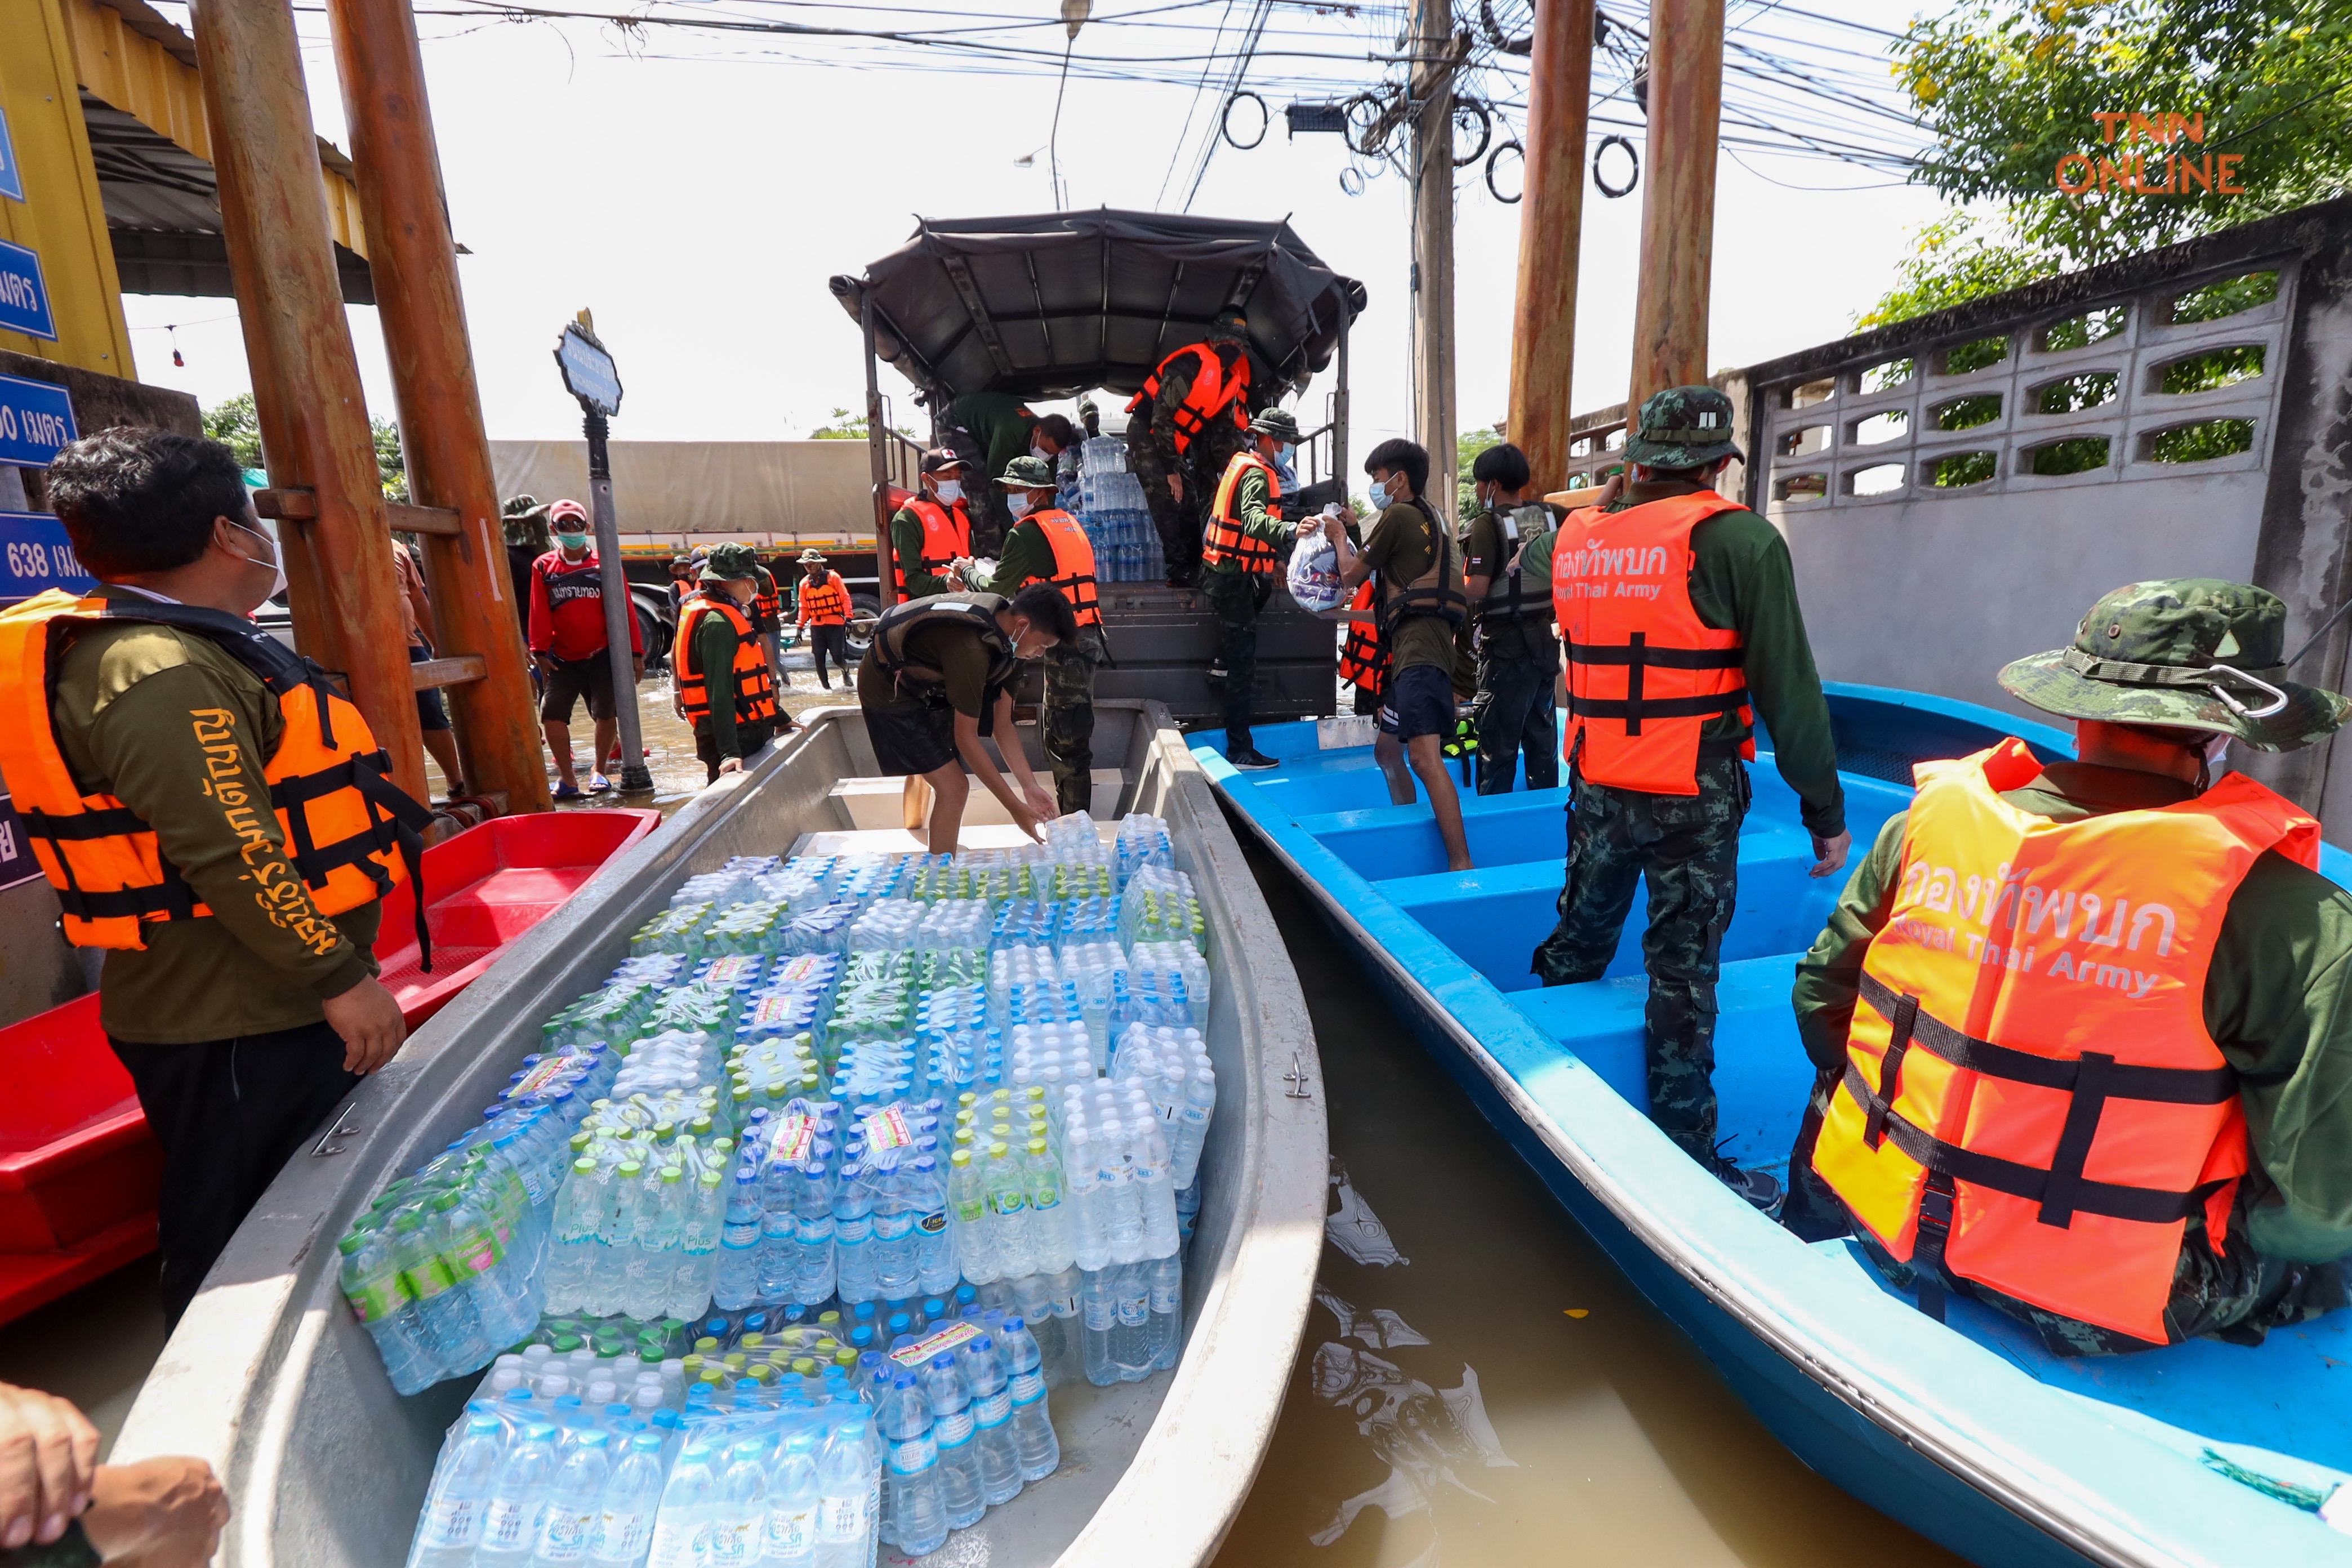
[[1398, 547]]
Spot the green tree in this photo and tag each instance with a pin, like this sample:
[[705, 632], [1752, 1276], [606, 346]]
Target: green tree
[[391, 464], [236, 424], [1466, 448], [842, 426], [2009, 86]]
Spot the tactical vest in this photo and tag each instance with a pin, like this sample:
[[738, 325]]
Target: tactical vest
[[1437, 593], [2032, 1101], [1645, 673], [1214, 393], [1223, 537], [352, 833], [824, 601], [1506, 600], [755, 693], [947, 537], [1363, 664], [1074, 563], [975, 611]]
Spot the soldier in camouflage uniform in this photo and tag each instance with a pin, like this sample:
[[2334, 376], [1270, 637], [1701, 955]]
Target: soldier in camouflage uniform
[[1685, 843], [1070, 665], [1152, 447], [2146, 682]]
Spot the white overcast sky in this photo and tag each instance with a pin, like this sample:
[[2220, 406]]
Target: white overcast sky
[[699, 205]]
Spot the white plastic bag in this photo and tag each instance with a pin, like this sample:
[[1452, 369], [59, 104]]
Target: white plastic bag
[[1315, 576]]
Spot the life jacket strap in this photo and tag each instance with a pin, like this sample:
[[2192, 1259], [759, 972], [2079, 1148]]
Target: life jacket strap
[[2165, 1086]]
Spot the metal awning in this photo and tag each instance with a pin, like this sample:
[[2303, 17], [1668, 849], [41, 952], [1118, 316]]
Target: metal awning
[[1050, 305]]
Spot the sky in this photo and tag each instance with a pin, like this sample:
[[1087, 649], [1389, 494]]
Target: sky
[[698, 198]]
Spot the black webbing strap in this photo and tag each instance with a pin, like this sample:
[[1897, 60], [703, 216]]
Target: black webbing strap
[[1904, 1018], [1657, 658], [1933, 1230], [1658, 706], [2166, 1086], [371, 775], [2083, 1111], [105, 821]]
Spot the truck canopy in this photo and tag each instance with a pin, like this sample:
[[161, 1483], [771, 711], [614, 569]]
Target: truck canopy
[[1050, 305]]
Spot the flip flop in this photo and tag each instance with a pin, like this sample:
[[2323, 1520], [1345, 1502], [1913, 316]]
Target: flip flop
[[567, 792], [598, 784]]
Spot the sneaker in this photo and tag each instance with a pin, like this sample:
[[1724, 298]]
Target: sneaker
[[1250, 760], [1761, 1188], [598, 784]]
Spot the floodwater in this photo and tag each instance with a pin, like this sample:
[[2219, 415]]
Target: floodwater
[[1478, 1384]]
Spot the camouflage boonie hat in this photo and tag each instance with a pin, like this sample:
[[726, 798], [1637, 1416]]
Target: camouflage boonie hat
[[1230, 323], [1682, 427], [730, 562], [2186, 653], [1278, 423], [1026, 473]]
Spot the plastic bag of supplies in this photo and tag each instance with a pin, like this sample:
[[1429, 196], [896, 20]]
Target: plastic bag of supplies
[[1315, 574]]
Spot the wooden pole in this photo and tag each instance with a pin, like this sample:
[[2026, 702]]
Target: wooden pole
[[1432, 246], [424, 316], [1678, 197], [306, 380], [1543, 329]]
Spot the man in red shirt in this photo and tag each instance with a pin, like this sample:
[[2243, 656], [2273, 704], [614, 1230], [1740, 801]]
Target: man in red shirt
[[568, 644]]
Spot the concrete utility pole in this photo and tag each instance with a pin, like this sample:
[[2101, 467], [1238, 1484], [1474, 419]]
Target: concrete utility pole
[[1678, 197], [306, 381], [1432, 244], [423, 315], [1551, 221]]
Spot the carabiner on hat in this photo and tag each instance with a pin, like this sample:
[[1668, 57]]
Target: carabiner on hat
[[2279, 700]]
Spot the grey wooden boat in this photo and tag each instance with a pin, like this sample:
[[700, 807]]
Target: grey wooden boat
[[269, 1378]]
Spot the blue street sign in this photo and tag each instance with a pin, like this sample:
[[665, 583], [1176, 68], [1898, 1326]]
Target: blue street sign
[[16, 863], [589, 373], [12, 178], [34, 554], [35, 419], [24, 296]]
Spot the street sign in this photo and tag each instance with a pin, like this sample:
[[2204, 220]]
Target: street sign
[[35, 419], [589, 373], [23, 295], [34, 554], [12, 178]]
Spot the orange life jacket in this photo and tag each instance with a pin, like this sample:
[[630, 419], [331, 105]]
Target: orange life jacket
[[947, 536], [766, 605], [824, 601], [1362, 664], [755, 696], [1074, 563], [1645, 673], [1223, 536], [1214, 393], [2030, 1098], [350, 832]]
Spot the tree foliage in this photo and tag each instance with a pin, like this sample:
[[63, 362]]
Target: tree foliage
[[236, 424], [2009, 86], [1467, 444]]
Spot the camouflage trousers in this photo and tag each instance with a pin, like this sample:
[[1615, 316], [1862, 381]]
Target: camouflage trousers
[[2238, 1297], [1514, 713], [984, 499], [1177, 524], [1686, 848], [1069, 729], [1235, 598]]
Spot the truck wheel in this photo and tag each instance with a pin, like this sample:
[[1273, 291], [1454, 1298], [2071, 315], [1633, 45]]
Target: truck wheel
[[863, 608]]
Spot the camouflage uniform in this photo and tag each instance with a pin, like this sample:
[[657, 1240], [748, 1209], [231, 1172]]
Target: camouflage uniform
[[1177, 524], [1687, 849], [1069, 728], [1235, 598]]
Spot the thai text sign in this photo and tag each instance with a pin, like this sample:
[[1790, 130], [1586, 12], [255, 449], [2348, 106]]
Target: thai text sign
[[35, 419], [23, 295], [34, 554]]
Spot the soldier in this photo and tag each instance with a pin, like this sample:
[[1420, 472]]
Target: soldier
[[1182, 431], [1240, 556], [2199, 1040], [1657, 787], [933, 530], [1518, 656], [723, 686], [989, 429], [1046, 545]]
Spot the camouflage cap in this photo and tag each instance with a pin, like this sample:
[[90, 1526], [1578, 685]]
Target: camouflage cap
[[2185, 653], [812, 556], [1682, 427], [1027, 473], [730, 562], [1230, 323], [1278, 423]]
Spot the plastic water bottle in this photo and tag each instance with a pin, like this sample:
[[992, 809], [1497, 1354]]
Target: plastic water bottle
[[895, 1268], [935, 1249], [573, 1502], [951, 1434], [738, 1281], [968, 1203], [580, 1216], [681, 1530], [853, 1236], [1033, 1442], [625, 1517], [371, 1280], [1083, 1171], [510, 1522], [845, 1515], [790, 1539], [697, 1257], [918, 1517], [1120, 1199], [739, 1520], [451, 1526], [1008, 1212], [814, 1273], [1099, 1312], [1193, 1125], [451, 1329], [1155, 1193], [991, 1417]]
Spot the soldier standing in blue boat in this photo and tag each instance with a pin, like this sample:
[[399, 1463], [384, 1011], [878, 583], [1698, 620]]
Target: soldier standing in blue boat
[[1677, 612]]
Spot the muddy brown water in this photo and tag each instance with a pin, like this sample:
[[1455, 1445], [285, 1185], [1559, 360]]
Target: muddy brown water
[[1479, 1385]]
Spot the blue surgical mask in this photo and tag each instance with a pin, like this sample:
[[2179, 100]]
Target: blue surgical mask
[[1289, 454], [951, 491], [574, 541], [1379, 496], [1018, 505]]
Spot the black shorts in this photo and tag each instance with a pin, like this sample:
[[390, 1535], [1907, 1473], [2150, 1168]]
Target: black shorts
[[573, 679], [432, 713], [1419, 701], [911, 740]]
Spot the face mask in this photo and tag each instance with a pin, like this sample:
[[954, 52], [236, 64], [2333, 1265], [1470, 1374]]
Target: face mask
[[1041, 455], [277, 562], [1379, 496], [951, 491], [1287, 453], [1018, 505], [574, 542], [2216, 752]]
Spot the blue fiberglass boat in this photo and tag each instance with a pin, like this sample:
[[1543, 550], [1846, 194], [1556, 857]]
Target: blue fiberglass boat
[[1972, 1433]]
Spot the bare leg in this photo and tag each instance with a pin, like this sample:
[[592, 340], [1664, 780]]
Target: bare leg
[[608, 741], [1389, 752], [559, 746], [915, 803], [1428, 753], [441, 745], [948, 784]]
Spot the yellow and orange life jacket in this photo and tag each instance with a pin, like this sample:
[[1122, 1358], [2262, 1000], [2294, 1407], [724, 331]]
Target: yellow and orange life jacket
[[351, 833], [755, 696], [1223, 536], [2030, 1100], [1645, 673], [1215, 393], [947, 537]]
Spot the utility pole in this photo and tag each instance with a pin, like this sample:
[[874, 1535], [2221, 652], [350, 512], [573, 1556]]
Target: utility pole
[[1432, 106], [1678, 197], [1551, 223]]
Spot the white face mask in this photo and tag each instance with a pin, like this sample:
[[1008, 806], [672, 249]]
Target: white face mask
[[277, 562], [2216, 752], [951, 491], [1041, 454], [1379, 496], [1017, 504]]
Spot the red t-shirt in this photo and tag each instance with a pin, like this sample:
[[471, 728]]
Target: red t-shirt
[[567, 608]]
